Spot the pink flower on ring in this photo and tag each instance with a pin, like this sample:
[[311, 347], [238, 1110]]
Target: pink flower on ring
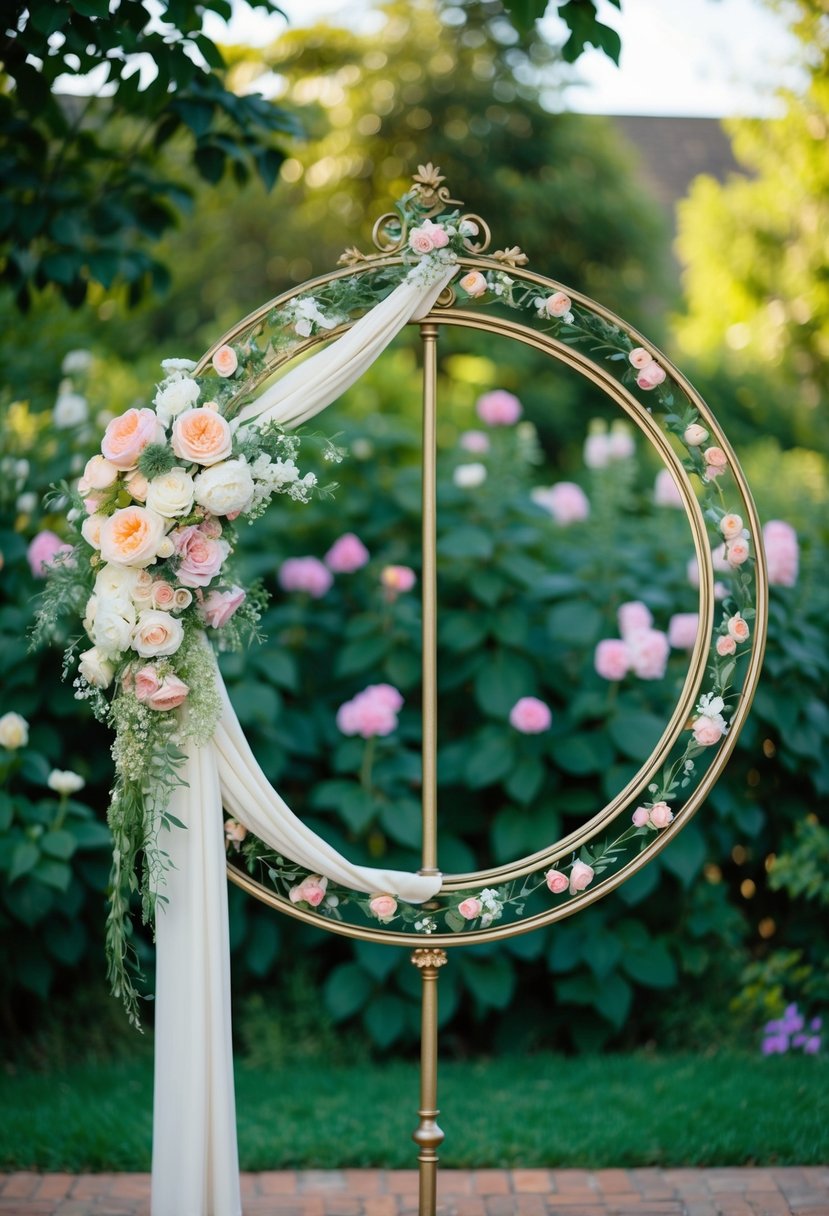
[[470, 908], [738, 628], [225, 361], [530, 716], [640, 358], [695, 435], [556, 881], [218, 607], [708, 730], [310, 891], [731, 526], [474, 284], [383, 907], [581, 876], [726, 645], [737, 551], [558, 305], [661, 815], [651, 376], [347, 554], [499, 408], [641, 817], [43, 550]]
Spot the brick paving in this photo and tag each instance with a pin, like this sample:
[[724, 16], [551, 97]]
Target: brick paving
[[533, 1192]]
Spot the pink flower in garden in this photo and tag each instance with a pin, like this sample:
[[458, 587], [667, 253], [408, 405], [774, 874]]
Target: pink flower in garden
[[620, 442], [200, 558], [43, 550], [581, 876], [566, 501], [235, 832], [347, 554], [310, 891], [612, 659], [305, 574], [731, 525], [499, 408], [782, 553], [633, 616], [558, 305], [736, 551], [470, 908], [666, 491], [661, 815], [373, 712], [641, 817], [530, 716], [725, 646], [738, 628], [383, 907], [218, 607], [225, 361], [597, 450], [640, 358], [476, 442], [649, 650], [682, 630], [396, 580], [651, 376], [556, 881], [473, 283]]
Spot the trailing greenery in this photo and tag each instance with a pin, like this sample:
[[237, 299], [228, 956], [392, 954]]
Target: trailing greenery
[[540, 1110]]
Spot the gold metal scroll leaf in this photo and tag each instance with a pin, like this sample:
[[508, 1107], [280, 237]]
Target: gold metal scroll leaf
[[385, 241], [432, 196], [478, 242]]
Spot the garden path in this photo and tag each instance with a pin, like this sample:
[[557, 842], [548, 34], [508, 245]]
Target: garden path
[[538, 1192]]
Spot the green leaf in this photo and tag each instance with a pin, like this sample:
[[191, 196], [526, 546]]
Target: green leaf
[[262, 946], [60, 844], [685, 855], [53, 874], [613, 999], [210, 162], [385, 1018], [378, 960], [526, 779], [346, 991], [652, 965], [635, 733], [460, 631], [524, 13], [25, 857], [466, 542], [501, 680], [491, 980], [256, 704], [489, 761], [566, 950], [66, 941], [353, 804], [403, 821], [582, 754], [575, 622], [362, 655]]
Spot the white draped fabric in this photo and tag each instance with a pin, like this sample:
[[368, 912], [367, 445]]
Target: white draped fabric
[[195, 1160]]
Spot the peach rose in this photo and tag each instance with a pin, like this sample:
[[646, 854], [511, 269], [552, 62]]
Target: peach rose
[[581, 876], [383, 907], [182, 599], [470, 908], [99, 474], [708, 731], [235, 832], [201, 437], [661, 815], [640, 358], [170, 693], [556, 881], [142, 588], [725, 646], [128, 435], [558, 305], [310, 891], [737, 551], [138, 486], [156, 634], [91, 529], [474, 283], [163, 594], [131, 536], [731, 525], [225, 361], [738, 628]]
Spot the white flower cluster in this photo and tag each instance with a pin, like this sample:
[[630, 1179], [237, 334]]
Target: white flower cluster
[[492, 906], [307, 317]]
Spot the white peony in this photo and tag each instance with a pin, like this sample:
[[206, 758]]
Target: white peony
[[175, 394], [178, 365], [96, 668], [70, 410], [112, 628], [224, 488], [171, 494], [157, 633], [468, 476], [64, 781], [116, 581], [14, 731]]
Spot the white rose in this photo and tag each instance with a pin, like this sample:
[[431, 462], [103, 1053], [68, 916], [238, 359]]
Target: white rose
[[112, 627], [27, 503], [178, 394], [469, 475], [90, 614], [224, 488], [178, 365], [63, 781], [171, 494], [70, 410], [98, 474], [114, 580], [91, 530], [76, 362], [142, 592], [96, 668], [14, 731], [157, 633]]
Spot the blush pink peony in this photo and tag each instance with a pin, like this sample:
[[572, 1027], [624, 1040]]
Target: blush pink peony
[[530, 716], [310, 891], [633, 616], [43, 550], [682, 630], [499, 408], [218, 607], [199, 558], [782, 553], [566, 501], [397, 580], [347, 554], [383, 907], [612, 659], [470, 908], [306, 574], [649, 651]]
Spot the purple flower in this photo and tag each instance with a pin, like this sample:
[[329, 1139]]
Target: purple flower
[[775, 1044]]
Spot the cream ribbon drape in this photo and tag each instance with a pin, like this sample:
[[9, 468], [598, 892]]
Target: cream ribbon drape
[[195, 1160]]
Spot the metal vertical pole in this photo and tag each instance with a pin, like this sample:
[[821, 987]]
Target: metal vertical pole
[[428, 1135]]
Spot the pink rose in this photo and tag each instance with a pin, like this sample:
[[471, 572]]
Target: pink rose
[[666, 491], [163, 595], [736, 551], [346, 555], [640, 358], [474, 283], [210, 527], [695, 435], [581, 876], [470, 908], [530, 716], [661, 815], [420, 240], [145, 682], [235, 832], [782, 553], [725, 646], [566, 501], [682, 630], [556, 881], [612, 660], [385, 694], [437, 233], [218, 607], [200, 558], [738, 628], [43, 550], [633, 616], [383, 907], [558, 305], [201, 436], [649, 650], [708, 731], [731, 526], [475, 441], [397, 580], [641, 817], [156, 633], [99, 474], [225, 362], [305, 574], [650, 376], [128, 435], [131, 536], [716, 462], [373, 712], [310, 891], [499, 408], [160, 695]]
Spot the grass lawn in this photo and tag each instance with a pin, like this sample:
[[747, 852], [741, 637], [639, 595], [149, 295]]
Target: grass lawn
[[541, 1110]]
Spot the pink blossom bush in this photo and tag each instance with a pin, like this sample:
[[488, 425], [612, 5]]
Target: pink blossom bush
[[649, 650], [666, 491], [682, 630], [530, 716], [347, 554], [371, 713], [499, 408], [633, 617], [782, 553], [306, 574], [42, 551], [397, 580], [566, 501], [612, 659]]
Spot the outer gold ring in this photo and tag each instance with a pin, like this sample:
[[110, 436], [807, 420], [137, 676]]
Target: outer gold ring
[[599, 374]]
